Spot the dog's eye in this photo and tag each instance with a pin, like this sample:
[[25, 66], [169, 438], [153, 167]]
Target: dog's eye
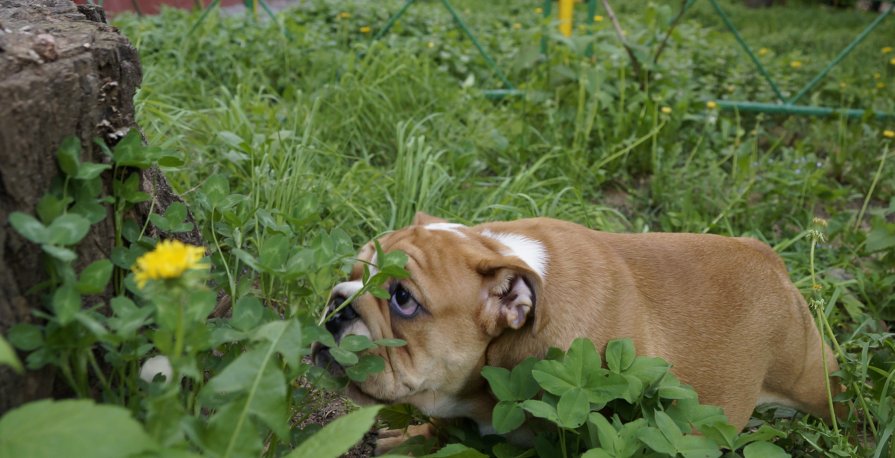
[[403, 303]]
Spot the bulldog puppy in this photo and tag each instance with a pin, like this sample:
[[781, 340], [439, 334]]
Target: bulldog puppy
[[721, 310]]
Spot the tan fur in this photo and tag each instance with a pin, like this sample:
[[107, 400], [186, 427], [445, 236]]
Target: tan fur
[[722, 310]]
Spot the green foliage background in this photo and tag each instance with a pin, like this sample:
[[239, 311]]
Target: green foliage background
[[299, 139]]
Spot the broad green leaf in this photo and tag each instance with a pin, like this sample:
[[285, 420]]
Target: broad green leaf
[[58, 252], [572, 408], [764, 450], [691, 411], [356, 343], [366, 365], [619, 355], [656, 441], [230, 434], [540, 409], [95, 277], [499, 380], [215, 189], [130, 152], [648, 370], [337, 437], [274, 251], [254, 375], [66, 302], [247, 313], [553, 376], [764, 433], [398, 416], [668, 427], [506, 450], [693, 446], [581, 359], [248, 259], [49, 207], [67, 229], [676, 392], [390, 342], [522, 384], [8, 356], [343, 357], [722, 433], [55, 429], [287, 339], [881, 236], [91, 209], [25, 336], [604, 386], [605, 432], [126, 317], [69, 156], [29, 227], [627, 444], [597, 453], [457, 451], [90, 170], [507, 416]]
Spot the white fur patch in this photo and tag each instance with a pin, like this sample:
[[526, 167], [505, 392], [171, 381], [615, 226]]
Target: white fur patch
[[530, 251], [449, 227], [347, 288]]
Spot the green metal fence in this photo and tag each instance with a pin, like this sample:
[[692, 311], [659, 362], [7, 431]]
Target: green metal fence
[[782, 105]]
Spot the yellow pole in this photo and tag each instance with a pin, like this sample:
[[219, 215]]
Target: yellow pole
[[565, 17]]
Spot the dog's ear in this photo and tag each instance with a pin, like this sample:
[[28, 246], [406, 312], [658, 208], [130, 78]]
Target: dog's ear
[[510, 290], [421, 219]]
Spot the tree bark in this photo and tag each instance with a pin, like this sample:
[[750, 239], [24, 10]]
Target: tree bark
[[63, 72]]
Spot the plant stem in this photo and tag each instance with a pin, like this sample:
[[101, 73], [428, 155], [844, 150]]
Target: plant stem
[[821, 321], [879, 170], [635, 63]]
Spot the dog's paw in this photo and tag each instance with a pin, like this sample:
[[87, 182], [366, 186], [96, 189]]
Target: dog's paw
[[389, 439]]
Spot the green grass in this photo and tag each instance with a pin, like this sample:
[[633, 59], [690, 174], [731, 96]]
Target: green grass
[[327, 149]]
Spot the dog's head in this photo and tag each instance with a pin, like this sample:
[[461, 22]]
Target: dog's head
[[466, 287]]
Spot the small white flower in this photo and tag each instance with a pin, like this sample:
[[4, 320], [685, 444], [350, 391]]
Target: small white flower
[[156, 365]]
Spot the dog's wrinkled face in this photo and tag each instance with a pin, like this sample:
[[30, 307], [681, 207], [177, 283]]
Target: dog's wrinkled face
[[464, 289]]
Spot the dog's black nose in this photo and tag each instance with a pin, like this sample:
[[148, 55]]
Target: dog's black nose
[[340, 318]]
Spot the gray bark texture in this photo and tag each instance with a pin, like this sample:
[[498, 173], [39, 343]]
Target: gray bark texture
[[63, 72]]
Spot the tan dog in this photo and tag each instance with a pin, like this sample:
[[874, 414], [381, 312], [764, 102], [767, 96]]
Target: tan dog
[[722, 310]]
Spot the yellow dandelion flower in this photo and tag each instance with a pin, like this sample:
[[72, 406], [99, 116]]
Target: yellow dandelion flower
[[876, 75], [598, 18], [365, 29], [666, 110], [842, 85], [886, 50], [344, 15], [881, 85], [431, 44], [539, 11], [892, 61], [169, 259], [711, 105], [889, 133], [517, 26], [763, 51], [796, 64]]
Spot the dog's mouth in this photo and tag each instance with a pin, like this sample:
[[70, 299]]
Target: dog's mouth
[[323, 358]]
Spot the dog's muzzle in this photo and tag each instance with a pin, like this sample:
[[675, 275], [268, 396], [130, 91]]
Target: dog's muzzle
[[319, 352]]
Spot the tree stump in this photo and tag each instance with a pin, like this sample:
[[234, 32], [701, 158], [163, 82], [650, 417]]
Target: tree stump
[[63, 72]]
